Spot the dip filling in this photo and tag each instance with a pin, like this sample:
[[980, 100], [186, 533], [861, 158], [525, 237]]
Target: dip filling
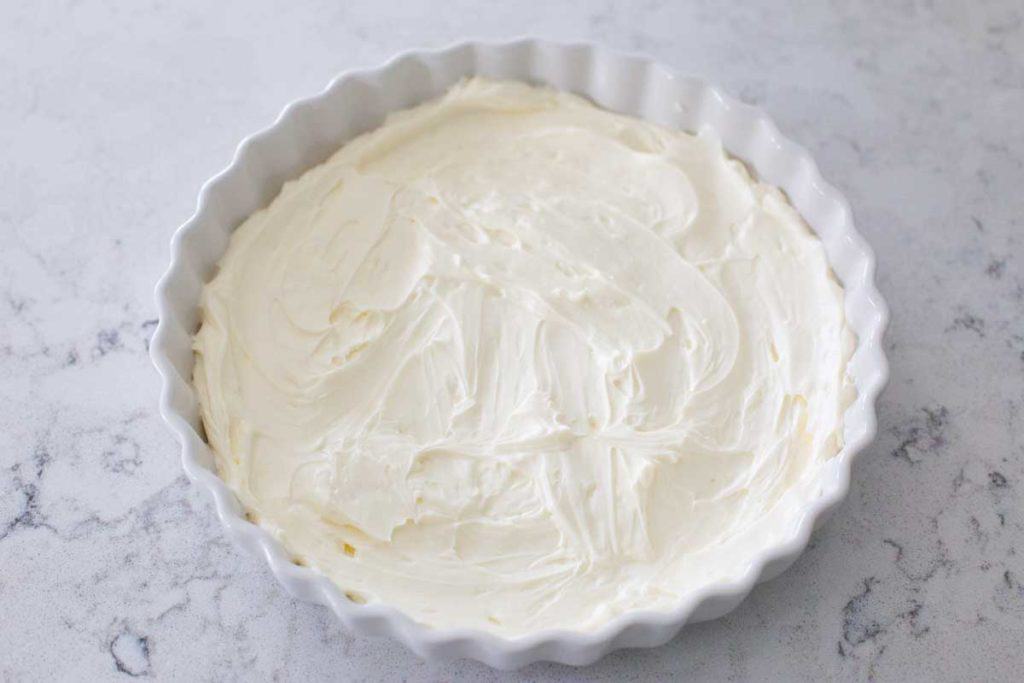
[[514, 362]]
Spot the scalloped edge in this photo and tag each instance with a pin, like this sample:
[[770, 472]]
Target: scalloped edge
[[303, 135]]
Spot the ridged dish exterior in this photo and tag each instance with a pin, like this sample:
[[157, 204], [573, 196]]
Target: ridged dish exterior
[[310, 130]]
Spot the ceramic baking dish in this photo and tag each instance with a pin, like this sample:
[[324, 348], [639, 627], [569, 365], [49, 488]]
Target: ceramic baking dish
[[310, 130]]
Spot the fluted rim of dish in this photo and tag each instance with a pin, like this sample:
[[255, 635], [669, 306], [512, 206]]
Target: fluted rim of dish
[[630, 84]]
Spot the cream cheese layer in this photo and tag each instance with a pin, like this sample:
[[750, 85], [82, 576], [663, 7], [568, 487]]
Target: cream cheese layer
[[514, 362]]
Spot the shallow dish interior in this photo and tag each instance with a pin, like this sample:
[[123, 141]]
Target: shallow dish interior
[[308, 131]]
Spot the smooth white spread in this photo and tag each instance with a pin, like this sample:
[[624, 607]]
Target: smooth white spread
[[514, 362]]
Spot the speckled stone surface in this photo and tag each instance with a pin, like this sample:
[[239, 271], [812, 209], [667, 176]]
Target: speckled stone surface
[[113, 114]]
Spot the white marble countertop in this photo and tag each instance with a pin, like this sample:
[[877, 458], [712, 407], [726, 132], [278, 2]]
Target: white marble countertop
[[113, 114]]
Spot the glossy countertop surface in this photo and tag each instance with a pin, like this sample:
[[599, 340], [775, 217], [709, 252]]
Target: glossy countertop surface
[[112, 117]]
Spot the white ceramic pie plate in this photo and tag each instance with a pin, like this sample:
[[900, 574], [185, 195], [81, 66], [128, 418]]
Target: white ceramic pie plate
[[310, 130]]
